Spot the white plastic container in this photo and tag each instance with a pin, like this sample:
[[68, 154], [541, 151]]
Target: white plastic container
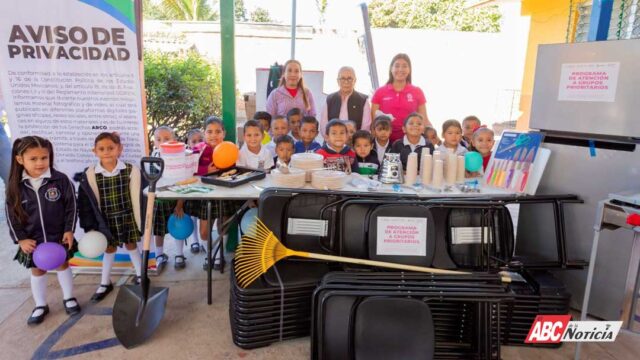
[[178, 163], [294, 179], [309, 162], [329, 179]]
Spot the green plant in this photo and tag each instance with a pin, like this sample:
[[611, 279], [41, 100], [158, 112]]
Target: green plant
[[240, 11], [451, 15], [261, 15], [190, 10], [152, 11], [181, 90]]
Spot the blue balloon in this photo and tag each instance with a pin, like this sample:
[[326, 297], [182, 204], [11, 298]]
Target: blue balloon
[[473, 161], [180, 228], [248, 219]]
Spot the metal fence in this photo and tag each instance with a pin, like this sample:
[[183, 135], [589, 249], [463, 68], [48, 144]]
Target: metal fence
[[624, 24]]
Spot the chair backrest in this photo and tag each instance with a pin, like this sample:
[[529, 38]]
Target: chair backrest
[[354, 227], [478, 237], [401, 233], [359, 240], [303, 222], [393, 328]]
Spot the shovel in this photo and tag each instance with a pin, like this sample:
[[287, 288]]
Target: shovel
[[138, 309]]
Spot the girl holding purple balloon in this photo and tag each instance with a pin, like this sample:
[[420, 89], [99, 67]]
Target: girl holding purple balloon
[[41, 212]]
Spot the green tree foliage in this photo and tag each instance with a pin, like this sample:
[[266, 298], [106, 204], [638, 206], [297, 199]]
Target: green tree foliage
[[261, 15], [152, 11], [448, 15], [189, 10], [182, 90], [239, 10]]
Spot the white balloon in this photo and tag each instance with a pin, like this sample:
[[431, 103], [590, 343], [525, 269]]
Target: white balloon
[[92, 244]]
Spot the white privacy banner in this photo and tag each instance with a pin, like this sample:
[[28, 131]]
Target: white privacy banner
[[69, 70]]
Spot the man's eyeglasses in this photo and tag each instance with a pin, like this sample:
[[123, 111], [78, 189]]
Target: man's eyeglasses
[[349, 79]]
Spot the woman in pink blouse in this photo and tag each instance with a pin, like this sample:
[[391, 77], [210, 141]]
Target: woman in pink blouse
[[399, 97], [291, 93]]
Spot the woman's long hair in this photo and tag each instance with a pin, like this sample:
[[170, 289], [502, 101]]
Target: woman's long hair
[[300, 85], [404, 57], [12, 193]]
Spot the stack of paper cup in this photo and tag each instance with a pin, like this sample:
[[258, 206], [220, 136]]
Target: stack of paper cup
[[460, 171], [412, 169], [451, 169], [438, 170], [426, 169]]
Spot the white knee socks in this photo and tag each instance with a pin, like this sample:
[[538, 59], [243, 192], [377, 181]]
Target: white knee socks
[[180, 247], [39, 292], [195, 235], [136, 260], [65, 278], [107, 264]]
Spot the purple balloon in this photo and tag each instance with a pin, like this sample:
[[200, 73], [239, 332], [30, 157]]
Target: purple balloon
[[49, 256]]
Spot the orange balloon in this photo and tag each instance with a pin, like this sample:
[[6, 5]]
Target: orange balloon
[[225, 155]]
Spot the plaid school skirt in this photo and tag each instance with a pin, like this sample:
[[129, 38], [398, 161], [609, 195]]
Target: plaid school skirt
[[26, 260], [162, 210], [224, 208], [123, 228]]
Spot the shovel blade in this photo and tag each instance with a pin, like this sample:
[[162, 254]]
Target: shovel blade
[[133, 320]]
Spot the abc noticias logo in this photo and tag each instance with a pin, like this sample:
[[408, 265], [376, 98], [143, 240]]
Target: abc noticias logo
[[553, 329]]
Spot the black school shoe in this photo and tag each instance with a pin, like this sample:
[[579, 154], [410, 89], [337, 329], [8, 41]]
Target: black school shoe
[[97, 297], [161, 262], [216, 264], [71, 310], [35, 320], [195, 248], [180, 262]]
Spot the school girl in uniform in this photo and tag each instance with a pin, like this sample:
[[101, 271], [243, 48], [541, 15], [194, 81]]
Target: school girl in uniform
[[109, 201], [214, 133], [41, 207]]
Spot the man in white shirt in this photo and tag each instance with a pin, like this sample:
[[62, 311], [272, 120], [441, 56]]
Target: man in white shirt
[[346, 103]]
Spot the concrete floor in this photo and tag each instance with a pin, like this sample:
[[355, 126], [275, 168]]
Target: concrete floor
[[191, 329]]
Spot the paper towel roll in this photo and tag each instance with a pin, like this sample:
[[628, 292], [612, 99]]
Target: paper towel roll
[[460, 171], [438, 172], [450, 169], [412, 169], [426, 167]]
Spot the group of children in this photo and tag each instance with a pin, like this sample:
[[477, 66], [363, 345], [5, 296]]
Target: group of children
[[41, 202], [361, 151]]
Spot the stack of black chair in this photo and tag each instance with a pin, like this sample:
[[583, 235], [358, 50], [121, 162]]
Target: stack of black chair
[[407, 316], [345, 224], [539, 294], [275, 307]]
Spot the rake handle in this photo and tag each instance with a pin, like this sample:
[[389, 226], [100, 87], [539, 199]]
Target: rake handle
[[384, 264]]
